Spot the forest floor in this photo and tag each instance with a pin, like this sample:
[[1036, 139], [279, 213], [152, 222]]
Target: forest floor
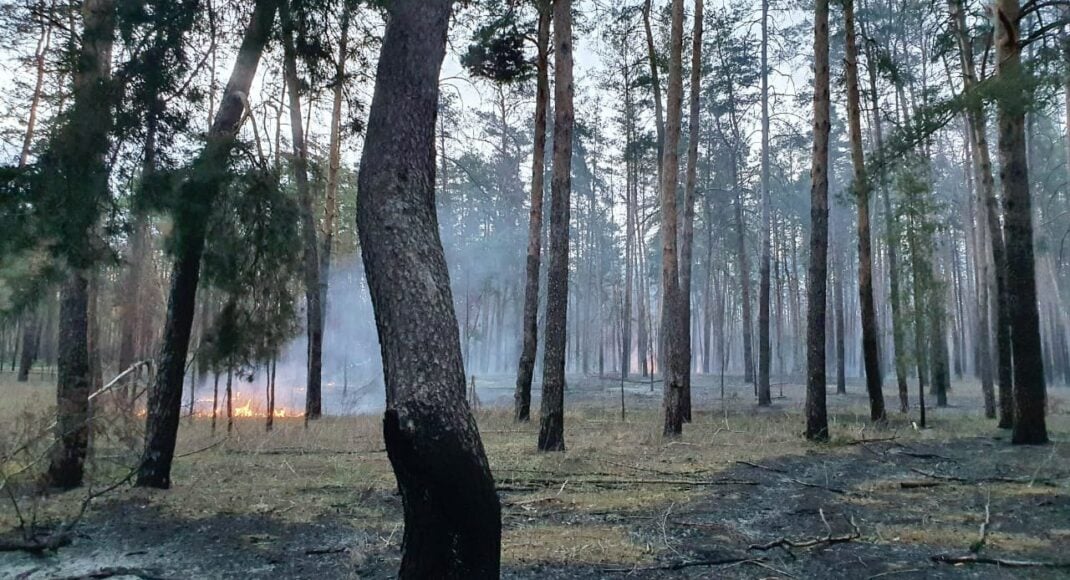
[[320, 503]]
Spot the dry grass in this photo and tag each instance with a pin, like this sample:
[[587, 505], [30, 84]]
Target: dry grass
[[337, 468]]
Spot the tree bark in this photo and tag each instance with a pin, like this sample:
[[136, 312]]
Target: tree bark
[[764, 350], [452, 514], [199, 190], [1029, 388], [310, 249], [870, 333], [816, 411], [526, 370], [91, 120], [552, 419], [688, 237], [330, 206], [986, 183], [673, 327], [30, 332]]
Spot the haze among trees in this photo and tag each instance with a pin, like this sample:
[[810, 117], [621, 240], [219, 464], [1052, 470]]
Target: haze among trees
[[511, 288]]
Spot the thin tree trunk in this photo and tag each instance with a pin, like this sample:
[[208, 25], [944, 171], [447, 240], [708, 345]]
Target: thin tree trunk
[[526, 370], [452, 513], [764, 350], [816, 411], [688, 237], [552, 420], [44, 43], [330, 206], [200, 191], [311, 262], [1029, 388], [841, 342], [861, 186]]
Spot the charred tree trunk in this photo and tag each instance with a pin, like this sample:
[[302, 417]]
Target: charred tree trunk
[[310, 250], [526, 370], [1029, 386], [199, 190], [452, 514], [552, 419], [861, 186], [816, 411]]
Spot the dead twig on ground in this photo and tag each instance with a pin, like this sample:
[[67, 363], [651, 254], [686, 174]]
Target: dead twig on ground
[[1006, 563], [757, 466], [828, 539], [983, 534], [992, 479], [797, 481], [528, 484], [680, 565]]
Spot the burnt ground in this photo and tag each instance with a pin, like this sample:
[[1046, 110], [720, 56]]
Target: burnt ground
[[889, 502]]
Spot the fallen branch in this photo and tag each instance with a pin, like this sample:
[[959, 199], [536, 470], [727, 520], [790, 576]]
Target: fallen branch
[[118, 571], [324, 551], [975, 559], [993, 479], [509, 485], [38, 546], [983, 534], [918, 484], [201, 450], [680, 565], [757, 466], [828, 539], [796, 481]]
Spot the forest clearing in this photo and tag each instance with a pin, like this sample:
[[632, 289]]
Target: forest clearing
[[534, 289], [620, 503]]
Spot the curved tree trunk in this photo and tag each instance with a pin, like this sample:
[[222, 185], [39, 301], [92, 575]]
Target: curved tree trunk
[[200, 190], [452, 514], [526, 367], [552, 419]]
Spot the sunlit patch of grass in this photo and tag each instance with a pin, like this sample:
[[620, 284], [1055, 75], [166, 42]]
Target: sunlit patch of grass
[[944, 534], [572, 545]]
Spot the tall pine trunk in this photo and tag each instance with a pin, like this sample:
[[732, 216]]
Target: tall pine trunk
[[85, 172], [199, 190], [526, 367], [452, 513], [816, 411], [764, 349], [310, 247], [673, 327], [1029, 388], [687, 240], [552, 419], [986, 183], [861, 186]]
